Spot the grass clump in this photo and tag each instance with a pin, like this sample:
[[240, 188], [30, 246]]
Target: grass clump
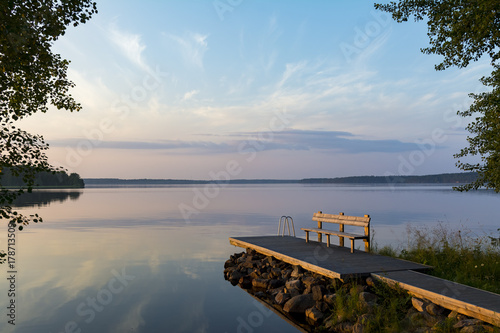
[[386, 313], [455, 255]]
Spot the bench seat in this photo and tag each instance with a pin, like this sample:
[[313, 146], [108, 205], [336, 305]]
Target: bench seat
[[352, 237]]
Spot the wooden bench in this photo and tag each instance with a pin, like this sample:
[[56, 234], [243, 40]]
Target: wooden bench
[[341, 220]]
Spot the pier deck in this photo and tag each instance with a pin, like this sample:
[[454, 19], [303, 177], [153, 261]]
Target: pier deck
[[334, 261], [339, 262]]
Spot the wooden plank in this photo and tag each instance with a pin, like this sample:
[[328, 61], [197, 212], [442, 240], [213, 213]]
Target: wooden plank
[[467, 300], [337, 233], [342, 217], [345, 220]]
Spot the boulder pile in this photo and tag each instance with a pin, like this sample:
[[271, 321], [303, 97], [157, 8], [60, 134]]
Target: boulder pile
[[313, 299]]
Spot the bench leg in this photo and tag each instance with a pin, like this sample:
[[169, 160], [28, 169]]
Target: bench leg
[[327, 240], [352, 245], [307, 236], [367, 245]]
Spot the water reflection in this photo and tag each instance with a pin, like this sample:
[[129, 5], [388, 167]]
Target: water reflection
[[90, 235], [45, 197]]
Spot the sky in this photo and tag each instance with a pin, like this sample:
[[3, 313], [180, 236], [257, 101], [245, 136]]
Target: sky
[[232, 89]]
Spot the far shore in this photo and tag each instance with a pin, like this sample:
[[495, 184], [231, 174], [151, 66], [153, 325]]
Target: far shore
[[444, 178]]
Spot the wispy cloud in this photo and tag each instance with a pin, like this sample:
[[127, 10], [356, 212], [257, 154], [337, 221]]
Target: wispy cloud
[[130, 44], [339, 141], [193, 47], [291, 139], [269, 51], [290, 70], [190, 94]]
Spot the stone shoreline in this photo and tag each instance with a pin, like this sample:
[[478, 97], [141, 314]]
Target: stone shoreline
[[310, 298]]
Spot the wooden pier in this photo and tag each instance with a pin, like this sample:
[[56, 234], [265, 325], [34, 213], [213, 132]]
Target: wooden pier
[[339, 262], [334, 261]]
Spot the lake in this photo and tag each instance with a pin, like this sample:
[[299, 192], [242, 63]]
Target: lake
[[150, 259]]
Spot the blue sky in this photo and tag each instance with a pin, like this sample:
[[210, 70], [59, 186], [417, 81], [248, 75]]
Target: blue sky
[[255, 89]]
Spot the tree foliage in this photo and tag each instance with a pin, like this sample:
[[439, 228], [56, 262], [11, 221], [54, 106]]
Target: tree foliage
[[462, 32], [32, 79], [44, 179]]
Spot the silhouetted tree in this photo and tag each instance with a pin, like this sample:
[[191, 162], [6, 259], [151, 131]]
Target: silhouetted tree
[[32, 78]]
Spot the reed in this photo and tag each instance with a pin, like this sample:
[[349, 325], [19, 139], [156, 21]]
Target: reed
[[458, 255]]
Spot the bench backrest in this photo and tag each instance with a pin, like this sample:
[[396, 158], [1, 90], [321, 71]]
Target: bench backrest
[[360, 221]]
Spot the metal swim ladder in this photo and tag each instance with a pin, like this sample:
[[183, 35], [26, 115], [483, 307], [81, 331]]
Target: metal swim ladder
[[286, 221]]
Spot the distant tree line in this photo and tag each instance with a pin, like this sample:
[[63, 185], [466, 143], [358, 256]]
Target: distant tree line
[[42, 179], [444, 178]]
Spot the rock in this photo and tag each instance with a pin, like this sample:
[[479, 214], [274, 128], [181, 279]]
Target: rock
[[275, 283], [285, 274], [229, 270], [418, 304], [260, 294], [294, 284], [229, 263], [293, 292], [371, 281], [423, 318], [248, 264], [260, 283], [314, 314], [245, 282], [440, 326], [367, 298], [488, 328], [297, 272], [434, 309], [473, 329], [318, 292], [235, 276], [429, 320], [299, 304], [309, 281], [345, 326], [330, 299], [276, 272], [467, 322], [241, 259], [417, 318], [308, 290], [282, 297], [322, 306]]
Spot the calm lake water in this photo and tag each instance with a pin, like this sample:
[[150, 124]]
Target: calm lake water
[[127, 260]]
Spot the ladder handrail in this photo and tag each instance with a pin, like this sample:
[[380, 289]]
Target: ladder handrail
[[286, 222]]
